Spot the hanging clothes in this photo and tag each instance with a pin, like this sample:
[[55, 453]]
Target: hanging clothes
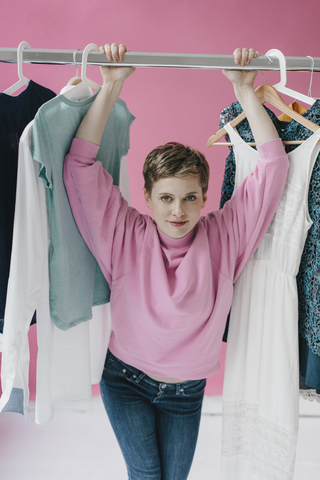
[[76, 281], [309, 361], [296, 107], [68, 362], [308, 278], [15, 114], [261, 385]]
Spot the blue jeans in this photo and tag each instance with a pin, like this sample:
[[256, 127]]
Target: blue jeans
[[156, 424]]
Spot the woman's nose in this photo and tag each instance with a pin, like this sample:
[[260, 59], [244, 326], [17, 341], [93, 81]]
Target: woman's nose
[[178, 210]]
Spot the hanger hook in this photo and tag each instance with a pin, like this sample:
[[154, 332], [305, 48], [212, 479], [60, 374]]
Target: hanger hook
[[20, 49], [283, 66], [264, 77], [74, 61], [86, 51], [268, 58], [311, 79]]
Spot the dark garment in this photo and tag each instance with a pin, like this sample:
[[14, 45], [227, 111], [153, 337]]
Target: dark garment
[[156, 424], [309, 367], [15, 114], [308, 278]]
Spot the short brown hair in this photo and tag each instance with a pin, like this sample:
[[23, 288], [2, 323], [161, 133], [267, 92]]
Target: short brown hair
[[175, 160]]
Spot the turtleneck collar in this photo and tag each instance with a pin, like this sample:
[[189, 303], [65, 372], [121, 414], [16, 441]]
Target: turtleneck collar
[[183, 242]]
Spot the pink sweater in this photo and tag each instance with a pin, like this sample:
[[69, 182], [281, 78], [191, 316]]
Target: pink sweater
[[170, 297]]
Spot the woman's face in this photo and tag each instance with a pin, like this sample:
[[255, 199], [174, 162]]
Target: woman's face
[[176, 204]]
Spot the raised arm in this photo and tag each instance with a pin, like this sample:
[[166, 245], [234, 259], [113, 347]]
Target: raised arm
[[245, 218], [261, 125], [92, 125], [98, 207]]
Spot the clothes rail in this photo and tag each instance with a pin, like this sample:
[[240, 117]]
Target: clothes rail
[[157, 60]]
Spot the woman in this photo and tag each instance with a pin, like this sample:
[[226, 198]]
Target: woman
[[171, 278]]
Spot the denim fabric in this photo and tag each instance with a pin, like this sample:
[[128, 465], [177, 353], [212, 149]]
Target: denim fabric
[[156, 424], [15, 402], [309, 367]]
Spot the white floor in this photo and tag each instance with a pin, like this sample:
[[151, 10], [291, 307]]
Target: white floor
[[78, 444]]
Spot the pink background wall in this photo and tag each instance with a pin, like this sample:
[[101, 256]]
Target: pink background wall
[[178, 105]]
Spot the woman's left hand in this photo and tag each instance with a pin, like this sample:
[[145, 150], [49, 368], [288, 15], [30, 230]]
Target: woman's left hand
[[243, 57]]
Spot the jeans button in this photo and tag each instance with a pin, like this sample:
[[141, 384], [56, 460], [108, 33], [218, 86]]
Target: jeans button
[[164, 385], [134, 376], [124, 370]]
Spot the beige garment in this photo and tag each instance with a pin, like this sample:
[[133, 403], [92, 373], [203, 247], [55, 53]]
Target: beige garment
[[294, 106]]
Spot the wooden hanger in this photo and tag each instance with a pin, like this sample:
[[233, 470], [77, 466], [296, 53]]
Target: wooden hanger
[[266, 93]]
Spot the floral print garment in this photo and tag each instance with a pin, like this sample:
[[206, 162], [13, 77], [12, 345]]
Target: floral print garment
[[308, 278]]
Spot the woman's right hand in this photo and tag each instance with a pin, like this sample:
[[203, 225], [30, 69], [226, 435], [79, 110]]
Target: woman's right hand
[[92, 126], [115, 53]]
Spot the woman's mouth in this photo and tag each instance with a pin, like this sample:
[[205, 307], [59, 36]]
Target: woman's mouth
[[177, 224]]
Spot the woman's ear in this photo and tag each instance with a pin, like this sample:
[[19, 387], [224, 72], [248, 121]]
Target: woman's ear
[[205, 198], [147, 198]]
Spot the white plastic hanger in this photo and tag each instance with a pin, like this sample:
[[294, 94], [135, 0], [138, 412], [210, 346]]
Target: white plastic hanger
[[22, 79], [85, 81], [281, 86], [82, 94], [75, 80]]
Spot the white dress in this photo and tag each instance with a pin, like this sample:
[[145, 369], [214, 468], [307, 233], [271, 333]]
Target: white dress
[[261, 385]]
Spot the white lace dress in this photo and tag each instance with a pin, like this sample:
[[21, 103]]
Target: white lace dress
[[261, 385]]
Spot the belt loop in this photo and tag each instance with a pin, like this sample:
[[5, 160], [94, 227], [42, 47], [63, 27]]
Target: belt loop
[[140, 377], [178, 388]]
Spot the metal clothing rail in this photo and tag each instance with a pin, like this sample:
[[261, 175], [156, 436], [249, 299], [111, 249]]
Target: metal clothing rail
[[157, 60]]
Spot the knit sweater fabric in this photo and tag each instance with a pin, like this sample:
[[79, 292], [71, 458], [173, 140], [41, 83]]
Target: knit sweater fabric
[[170, 297]]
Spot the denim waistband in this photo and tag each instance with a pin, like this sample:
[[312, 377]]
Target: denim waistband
[[139, 373]]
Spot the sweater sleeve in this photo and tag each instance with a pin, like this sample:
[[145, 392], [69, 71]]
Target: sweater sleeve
[[245, 218], [113, 231]]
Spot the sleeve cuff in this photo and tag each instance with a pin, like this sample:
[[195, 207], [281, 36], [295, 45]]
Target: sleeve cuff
[[83, 148], [271, 150]]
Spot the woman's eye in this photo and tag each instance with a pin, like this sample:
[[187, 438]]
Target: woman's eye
[[166, 199], [191, 198]]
